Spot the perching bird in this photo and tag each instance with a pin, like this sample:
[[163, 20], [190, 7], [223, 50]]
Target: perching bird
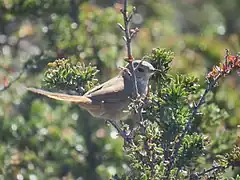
[[110, 100]]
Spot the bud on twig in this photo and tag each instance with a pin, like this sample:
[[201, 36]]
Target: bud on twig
[[121, 27], [121, 10], [134, 9]]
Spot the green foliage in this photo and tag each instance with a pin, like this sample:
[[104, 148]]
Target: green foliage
[[230, 159], [65, 76], [44, 139], [160, 59], [165, 119], [147, 156]]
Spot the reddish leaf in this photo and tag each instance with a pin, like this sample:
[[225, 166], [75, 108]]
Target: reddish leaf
[[5, 81]]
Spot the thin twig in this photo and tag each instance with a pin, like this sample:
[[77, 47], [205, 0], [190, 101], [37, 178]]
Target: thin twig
[[127, 138], [128, 39], [210, 170], [127, 30], [231, 63], [4, 88], [188, 124], [74, 11]]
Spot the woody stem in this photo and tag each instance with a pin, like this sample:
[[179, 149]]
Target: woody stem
[[128, 40]]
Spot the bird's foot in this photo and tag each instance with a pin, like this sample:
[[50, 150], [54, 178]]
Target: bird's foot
[[128, 137]]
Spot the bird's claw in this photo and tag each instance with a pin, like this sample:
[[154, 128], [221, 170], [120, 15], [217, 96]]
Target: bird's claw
[[127, 137]]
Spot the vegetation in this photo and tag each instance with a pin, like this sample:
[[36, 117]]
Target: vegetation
[[190, 124]]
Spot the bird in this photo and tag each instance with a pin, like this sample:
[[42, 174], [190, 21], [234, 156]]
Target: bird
[[110, 99]]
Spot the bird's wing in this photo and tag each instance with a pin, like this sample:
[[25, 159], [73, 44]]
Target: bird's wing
[[62, 97], [113, 90], [108, 84]]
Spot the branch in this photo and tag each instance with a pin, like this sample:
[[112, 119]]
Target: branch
[[231, 63], [74, 11], [129, 34], [5, 87], [188, 125], [30, 63], [127, 30], [210, 169]]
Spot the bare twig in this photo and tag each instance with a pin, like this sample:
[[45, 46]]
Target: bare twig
[[74, 11], [129, 34], [26, 66], [127, 138], [5, 87], [214, 168], [127, 30]]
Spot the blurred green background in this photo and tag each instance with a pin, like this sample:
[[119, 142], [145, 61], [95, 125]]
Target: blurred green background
[[45, 139]]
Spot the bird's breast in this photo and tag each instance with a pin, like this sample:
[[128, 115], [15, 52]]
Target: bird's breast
[[142, 87]]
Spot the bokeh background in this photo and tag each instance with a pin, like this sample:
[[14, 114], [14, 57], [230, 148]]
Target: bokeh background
[[44, 139]]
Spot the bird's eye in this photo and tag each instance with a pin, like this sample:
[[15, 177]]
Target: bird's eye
[[140, 69]]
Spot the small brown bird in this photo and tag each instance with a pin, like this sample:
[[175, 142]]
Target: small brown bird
[[110, 100]]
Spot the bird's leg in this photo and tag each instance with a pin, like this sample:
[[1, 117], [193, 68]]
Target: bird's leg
[[121, 132]]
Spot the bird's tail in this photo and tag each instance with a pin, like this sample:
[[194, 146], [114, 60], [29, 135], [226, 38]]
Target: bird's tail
[[62, 97]]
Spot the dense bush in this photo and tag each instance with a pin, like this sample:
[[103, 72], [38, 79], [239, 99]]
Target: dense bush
[[66, 46]]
